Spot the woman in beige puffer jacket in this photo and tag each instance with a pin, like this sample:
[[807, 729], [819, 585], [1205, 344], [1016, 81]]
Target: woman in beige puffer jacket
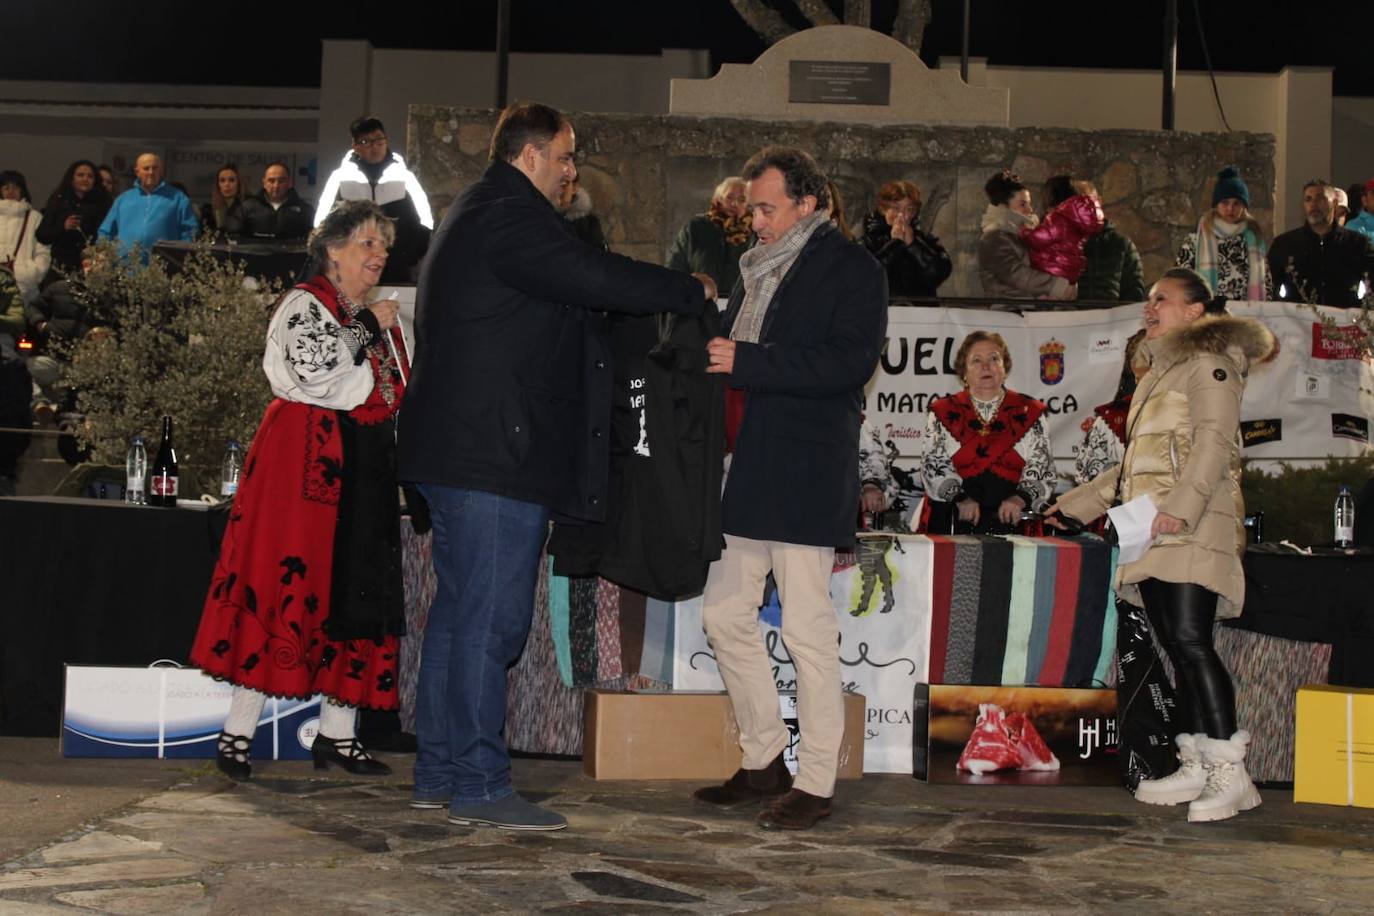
[[1183, 452]]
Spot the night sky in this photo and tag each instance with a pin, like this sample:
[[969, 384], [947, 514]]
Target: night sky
[[277, 44]]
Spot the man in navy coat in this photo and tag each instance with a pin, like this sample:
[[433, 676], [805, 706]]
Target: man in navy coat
[[804, 325], [507, 419]]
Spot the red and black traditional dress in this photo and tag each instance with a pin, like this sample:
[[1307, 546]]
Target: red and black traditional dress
[[1104, 439], [986, 451], [306, 596], [1104, 444]]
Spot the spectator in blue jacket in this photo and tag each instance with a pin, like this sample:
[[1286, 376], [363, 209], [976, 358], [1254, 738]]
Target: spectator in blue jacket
[[150, 212], [1363, 222]]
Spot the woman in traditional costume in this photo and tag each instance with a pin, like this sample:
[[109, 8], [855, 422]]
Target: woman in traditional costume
[[988, 456], [306, 597]]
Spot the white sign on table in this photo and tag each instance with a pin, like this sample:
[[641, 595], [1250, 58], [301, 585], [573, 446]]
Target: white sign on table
[[883, 653]]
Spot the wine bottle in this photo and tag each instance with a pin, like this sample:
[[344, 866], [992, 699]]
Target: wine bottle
[[162, 483]]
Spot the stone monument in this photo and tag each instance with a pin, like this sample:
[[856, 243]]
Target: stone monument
[[840, 73]]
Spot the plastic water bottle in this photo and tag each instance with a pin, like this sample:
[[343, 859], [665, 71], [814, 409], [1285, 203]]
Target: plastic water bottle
[[229, 470], [1345, 518], [135, 472]]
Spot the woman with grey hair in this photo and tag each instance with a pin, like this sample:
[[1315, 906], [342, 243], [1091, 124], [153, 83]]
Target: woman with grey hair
[[713, 242], [306, 596]]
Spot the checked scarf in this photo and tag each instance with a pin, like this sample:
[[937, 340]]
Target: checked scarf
[[762, 268]]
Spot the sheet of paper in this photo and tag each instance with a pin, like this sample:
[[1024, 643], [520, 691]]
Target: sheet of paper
[[1132, 522]]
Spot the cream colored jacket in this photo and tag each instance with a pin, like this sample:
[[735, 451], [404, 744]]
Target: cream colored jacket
[[1183, 451]]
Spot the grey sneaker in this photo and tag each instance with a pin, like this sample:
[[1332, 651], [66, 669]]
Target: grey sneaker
[[510, 813], [428, 804]]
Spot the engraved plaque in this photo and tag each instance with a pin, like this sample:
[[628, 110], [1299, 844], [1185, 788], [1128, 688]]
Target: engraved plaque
[[839, 82]]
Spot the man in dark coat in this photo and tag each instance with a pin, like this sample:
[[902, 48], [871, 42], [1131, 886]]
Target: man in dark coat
[[805, 325], [507, 419], [1112, 271], [1321, 263], [275, 212]]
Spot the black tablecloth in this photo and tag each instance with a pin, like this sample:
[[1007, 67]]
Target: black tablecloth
[[1327, 597], [269, 259], [101, 583], [94, 582]]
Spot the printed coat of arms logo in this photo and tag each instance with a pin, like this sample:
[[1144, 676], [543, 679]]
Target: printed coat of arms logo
[[1052, 362]]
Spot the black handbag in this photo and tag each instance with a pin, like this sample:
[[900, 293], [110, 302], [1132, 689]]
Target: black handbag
[[1147, 712]]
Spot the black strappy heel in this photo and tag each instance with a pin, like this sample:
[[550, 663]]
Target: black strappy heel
[[231, 756], [348, 753]]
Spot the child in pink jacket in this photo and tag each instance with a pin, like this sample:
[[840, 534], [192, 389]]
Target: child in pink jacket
[[1056, 245]]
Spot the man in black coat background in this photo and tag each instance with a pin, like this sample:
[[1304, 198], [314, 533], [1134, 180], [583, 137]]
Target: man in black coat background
[[275, 212], [1320, 262], [805, 325], [507, 420]]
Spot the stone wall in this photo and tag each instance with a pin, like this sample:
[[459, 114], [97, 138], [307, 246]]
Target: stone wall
[[648, 174]]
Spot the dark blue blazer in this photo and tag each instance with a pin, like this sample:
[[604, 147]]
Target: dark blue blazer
[[794, 476]]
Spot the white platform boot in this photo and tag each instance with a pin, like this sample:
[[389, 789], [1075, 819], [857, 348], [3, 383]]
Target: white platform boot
[[1229, 789], [1184, 784]]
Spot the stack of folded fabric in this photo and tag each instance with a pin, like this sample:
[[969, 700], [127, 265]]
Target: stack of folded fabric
[[1016, 610]]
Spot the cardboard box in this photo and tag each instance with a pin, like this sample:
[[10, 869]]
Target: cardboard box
[[1071, 733], [688, 735], [115, 711], [1334, 759]]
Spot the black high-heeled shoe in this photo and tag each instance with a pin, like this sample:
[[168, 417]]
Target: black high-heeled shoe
[[348, 753], [231, 756]]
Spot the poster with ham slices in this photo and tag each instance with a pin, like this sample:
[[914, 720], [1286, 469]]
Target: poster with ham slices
[[1040, 736]]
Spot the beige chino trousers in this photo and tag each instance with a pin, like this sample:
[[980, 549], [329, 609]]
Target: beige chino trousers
[[810, 632]]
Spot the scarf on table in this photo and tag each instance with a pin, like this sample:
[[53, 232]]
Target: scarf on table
[[1209, 231], [736, 228], [989, 446], [762, 268]]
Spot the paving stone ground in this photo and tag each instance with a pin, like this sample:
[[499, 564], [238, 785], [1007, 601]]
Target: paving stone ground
[[150, 837]]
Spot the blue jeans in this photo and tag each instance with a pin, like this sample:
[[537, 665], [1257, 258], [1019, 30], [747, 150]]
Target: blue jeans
[[486, 559]]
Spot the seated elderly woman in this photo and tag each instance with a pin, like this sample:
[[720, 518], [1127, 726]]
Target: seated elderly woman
[[988, 455]]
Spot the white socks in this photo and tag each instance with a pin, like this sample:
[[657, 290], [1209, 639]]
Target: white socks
[[245, 709], [338, 722]]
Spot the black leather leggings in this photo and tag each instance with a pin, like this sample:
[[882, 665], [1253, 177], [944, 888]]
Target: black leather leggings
[[1182, 616]]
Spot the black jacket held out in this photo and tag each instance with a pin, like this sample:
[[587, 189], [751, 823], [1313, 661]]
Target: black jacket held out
[[511, 389]]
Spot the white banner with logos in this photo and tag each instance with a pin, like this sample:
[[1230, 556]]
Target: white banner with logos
[[1314, 400], [883, 603]]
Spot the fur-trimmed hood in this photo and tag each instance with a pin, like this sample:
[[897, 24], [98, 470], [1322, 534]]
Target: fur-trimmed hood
[[15, 209], [1245, 341], [998, 218]]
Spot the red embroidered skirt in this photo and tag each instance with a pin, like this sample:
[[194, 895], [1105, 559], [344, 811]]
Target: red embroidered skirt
[[263, 622]]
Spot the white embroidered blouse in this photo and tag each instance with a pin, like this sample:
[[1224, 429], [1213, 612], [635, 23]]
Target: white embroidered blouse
[[312, 359]]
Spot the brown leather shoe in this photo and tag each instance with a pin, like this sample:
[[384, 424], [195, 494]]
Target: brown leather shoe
[[797, 810], [749, 785]]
